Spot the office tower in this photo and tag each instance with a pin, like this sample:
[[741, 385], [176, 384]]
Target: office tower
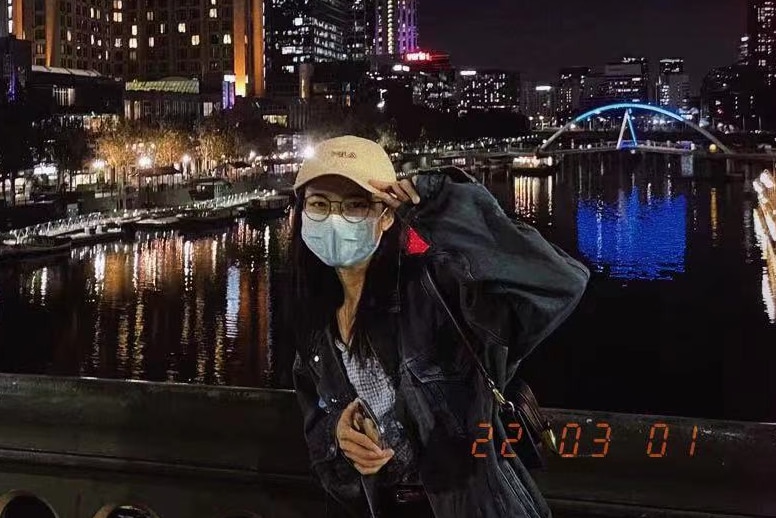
[[670, 66], [6, 8], [360, 36], [302, 32], [573, 87], [761, 28], [486, 90], [396, 27], [623, 81], [743, 50], [210, 40], [673, 85]]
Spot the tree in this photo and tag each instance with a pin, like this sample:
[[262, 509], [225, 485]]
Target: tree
[[115, 147], [69, 150], [170, 144], [215, 141]]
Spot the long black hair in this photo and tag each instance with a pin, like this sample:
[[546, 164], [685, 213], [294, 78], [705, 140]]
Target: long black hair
[[316, 291]]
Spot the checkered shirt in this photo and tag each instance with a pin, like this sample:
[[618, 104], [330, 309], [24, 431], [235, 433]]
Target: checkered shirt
[[374, 386]]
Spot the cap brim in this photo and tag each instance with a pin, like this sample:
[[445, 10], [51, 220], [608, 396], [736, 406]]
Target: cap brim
[[364, 185]]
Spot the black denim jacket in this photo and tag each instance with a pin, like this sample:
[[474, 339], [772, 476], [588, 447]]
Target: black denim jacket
[[513, 288]]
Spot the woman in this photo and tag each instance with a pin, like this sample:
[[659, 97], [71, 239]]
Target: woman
[[368, 329]]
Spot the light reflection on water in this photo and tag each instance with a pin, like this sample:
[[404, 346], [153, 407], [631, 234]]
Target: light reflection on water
[[165, 307], [678, 278]]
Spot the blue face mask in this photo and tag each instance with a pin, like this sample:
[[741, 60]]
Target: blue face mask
[[340, 243]]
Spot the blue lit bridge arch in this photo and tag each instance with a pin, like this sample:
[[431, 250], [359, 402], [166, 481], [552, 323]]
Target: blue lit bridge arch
[[627, 124]]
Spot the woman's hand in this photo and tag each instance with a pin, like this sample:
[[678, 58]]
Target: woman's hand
[[396, 193], [366, 456]]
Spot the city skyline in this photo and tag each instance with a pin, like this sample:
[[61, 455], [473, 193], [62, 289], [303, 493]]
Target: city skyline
[[693, 32]]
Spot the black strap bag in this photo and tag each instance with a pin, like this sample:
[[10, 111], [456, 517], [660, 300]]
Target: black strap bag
[[538, 438]]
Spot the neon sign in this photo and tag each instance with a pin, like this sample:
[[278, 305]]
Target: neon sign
[[418, 56]]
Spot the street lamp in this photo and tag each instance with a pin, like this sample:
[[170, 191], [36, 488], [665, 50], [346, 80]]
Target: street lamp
[[145, 162]]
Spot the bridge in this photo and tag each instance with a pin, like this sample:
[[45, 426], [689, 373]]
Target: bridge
[[649, 146], [627, 138]]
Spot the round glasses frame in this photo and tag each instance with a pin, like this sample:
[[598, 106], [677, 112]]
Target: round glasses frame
[[351, 214]]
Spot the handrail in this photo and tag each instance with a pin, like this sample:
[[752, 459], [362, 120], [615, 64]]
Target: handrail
[[70, 225]]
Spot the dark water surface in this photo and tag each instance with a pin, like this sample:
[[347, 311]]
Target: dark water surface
[[678, 318]]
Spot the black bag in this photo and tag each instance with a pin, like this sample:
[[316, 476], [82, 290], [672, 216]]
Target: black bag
[[522, 408]]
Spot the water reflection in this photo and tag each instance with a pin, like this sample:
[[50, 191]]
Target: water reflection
[[166, 307], [769, 269], [640, 235], [677, 277]]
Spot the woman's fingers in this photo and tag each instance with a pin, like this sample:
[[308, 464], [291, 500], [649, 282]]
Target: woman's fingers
[[409, 188], [403, 190], [370, 468], [388, 200], [353, 449], [351, 435]]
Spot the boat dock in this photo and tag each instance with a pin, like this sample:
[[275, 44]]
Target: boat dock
[[90, 229]]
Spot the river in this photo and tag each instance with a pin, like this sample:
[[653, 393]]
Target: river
[[678, 318]]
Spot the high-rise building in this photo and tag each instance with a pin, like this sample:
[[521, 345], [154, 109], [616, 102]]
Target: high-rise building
[[573, 87], [743, 50], [215, 41], [671, 66], [360, 36], [487, 90], [15, 59], [396, 27], [433, 80], [6, 7], [761, 28], [302, 32], [623, 81], [673, 85], [736, 98], [538, 103]]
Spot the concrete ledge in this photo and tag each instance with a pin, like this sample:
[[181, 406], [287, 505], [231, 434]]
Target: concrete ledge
[[186, 450]]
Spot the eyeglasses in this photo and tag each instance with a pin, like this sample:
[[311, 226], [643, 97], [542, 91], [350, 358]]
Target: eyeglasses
[[354, 209]]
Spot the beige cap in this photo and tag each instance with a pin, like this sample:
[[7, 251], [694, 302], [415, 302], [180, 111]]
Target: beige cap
[[355, 158]]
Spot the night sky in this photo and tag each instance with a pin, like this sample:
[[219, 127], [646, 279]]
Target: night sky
[[537, 37]]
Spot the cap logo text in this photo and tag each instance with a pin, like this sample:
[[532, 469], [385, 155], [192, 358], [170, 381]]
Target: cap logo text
[[343, 154]]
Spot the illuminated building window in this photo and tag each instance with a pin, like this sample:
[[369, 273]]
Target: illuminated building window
[[151, 41], [195, 39], [117, 17], [118, 4], [133, 43], [117, 43], [212, 2], [69, 35], [162, 28], [214, 13], [150, 16], [134, 30], [133, 55], [182, 27], [227, 39]]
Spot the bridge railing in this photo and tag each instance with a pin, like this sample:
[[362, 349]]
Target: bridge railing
[[83, 445]]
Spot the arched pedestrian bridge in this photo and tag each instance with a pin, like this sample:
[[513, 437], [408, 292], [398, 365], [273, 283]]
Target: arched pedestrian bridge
[[628, 138]]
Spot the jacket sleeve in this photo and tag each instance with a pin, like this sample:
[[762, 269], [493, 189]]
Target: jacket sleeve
[[514, 287], [337, 475]]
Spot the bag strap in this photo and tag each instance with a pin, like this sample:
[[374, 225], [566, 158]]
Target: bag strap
[[428, 280]]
